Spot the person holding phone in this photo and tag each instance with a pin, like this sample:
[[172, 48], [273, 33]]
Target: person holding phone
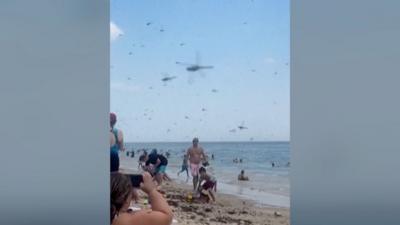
[[121, 197]]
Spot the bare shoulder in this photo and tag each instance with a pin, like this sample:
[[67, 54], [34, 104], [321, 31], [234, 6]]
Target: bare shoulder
[[129, 218], [143, 217], [122, 219]]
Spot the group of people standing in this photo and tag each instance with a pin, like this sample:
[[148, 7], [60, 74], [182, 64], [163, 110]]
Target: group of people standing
[[154, 166]]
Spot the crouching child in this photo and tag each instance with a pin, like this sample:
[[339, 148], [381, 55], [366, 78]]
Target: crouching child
[[209, 187]]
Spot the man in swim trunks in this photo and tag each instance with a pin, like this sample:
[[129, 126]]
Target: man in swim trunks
[[195, 156]]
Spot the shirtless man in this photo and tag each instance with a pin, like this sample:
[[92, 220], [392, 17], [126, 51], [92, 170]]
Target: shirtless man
[[195, 155]]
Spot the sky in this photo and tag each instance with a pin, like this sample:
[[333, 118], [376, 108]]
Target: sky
[[247, 43]]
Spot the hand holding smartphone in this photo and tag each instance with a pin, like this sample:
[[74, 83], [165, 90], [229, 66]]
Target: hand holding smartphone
[[136, 179]]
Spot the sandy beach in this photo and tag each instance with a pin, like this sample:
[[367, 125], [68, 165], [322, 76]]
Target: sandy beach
[[227, 209]]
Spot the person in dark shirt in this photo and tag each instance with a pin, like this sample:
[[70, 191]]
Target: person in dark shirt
[[209, 187], [159, 164]]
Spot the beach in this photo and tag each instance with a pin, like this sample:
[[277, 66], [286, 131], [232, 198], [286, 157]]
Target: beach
[[227, 209], [236, 203], [267, 185]]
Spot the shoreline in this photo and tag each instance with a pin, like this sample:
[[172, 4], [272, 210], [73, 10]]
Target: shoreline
[[260, 198], [223, 142]]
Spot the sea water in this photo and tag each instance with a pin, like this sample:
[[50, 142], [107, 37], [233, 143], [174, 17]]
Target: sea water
[[267, 165]]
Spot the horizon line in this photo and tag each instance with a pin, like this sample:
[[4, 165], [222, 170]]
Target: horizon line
[[201, 141]]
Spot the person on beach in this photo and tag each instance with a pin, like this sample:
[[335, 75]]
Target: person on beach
[[205, 163], [185, 166], [195, 155], [132, 154], [121, 196], [116, 143], [159, 165], [142, 160], [166, 177], [242, 177], [210, 185]]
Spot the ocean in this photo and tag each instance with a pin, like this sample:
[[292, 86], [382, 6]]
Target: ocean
[[268, 185]]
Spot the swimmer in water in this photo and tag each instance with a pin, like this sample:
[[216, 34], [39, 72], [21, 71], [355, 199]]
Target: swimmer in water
[[242, 177]]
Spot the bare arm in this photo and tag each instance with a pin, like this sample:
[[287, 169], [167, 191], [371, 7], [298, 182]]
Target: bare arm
[[203, 155], [158, 163], [161, 213], [146, 217], [121, 140], [158, 203], [200, 181], [188, 156]]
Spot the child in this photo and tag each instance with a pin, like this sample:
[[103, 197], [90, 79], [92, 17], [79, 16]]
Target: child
[[185, 166], [209, 186], [142, 161]]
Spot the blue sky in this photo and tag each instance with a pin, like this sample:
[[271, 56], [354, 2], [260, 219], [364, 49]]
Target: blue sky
[[246, 41]]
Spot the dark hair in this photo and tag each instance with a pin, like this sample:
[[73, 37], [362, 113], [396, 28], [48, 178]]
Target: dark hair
[[113, 119], [242, 171], [142, 158], [202, 169], [121, 189]]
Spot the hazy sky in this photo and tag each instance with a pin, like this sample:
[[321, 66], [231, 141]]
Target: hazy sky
[[246, 41]]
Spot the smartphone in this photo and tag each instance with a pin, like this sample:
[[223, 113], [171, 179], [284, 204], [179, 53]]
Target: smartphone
[[136, 179]]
